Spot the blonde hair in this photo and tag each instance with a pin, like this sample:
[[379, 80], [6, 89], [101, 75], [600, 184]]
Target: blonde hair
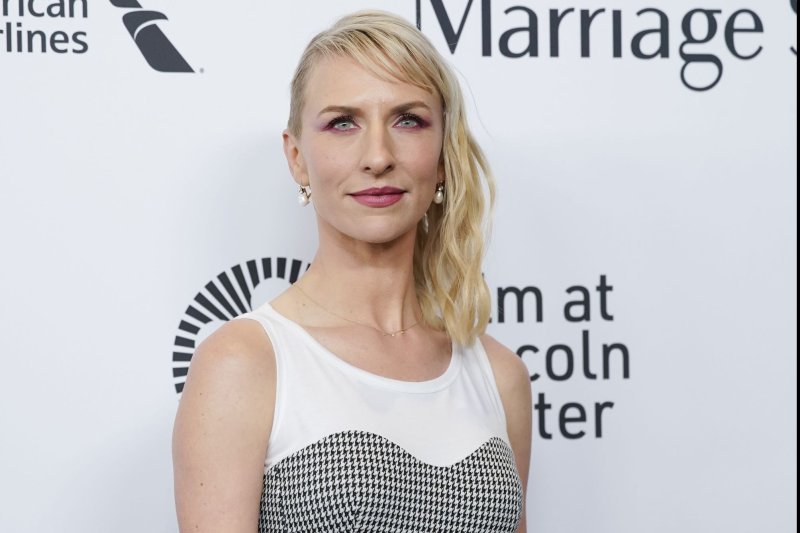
[[449, 250]]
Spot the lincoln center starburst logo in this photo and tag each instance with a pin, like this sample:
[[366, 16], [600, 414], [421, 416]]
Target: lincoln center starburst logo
[[232, 293]]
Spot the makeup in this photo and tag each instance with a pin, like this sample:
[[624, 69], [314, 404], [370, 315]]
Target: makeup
[[378, 196]]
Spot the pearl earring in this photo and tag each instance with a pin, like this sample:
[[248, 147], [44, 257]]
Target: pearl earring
[[304, 198], [438, 197]]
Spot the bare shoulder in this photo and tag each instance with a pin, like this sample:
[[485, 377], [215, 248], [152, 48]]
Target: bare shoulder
[[510, 371], [514, 385], [236, 341], [222, 429], [236, 355]]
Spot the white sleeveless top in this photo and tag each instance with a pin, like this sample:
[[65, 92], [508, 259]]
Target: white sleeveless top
[[353, 451]]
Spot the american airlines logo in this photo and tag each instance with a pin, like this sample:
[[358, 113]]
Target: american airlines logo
[[39, 27], [156, 48]]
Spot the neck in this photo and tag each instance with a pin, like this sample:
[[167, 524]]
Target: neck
[[371, 283]]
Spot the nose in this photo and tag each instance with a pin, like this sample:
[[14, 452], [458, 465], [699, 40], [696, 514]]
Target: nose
[[378, 156]]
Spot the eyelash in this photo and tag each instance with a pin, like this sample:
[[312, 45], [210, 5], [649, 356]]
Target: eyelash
[[416, 118], [405, 116], [343, 118]]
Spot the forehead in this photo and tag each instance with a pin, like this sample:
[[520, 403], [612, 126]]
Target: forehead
[[341, 80]]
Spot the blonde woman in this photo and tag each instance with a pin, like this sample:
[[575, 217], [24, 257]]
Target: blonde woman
[[366, 397]]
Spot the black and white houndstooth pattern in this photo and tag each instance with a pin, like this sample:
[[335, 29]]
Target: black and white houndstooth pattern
[[357, 481]]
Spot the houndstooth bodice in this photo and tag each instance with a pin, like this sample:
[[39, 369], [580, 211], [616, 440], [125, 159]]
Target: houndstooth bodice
[[360, 482]]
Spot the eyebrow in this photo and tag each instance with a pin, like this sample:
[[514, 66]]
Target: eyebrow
[[354, 110]]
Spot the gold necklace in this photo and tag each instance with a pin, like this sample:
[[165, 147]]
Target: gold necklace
[[385, 333]]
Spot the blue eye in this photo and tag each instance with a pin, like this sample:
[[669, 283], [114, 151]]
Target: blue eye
[[342, 123], [410, 120]]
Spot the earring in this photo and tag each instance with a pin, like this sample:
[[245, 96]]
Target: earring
[[438, 197], [304, 198]]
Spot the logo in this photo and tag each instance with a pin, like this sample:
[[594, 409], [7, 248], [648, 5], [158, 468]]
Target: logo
[[232, 293], [32, 28], [57, 27], [156, 48], [532, 33], [584, 363]]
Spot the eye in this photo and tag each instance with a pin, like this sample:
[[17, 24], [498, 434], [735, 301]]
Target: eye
[[342, 123], [410, 120]]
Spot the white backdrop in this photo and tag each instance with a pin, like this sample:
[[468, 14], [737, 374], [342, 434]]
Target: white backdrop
[[126, 190]]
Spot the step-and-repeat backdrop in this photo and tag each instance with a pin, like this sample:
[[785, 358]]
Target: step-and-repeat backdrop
[[643, 262]]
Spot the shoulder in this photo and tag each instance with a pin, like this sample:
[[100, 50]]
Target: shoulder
[[238, 347], [230, 385], [222, 428], [233, 370], [510, 371], [514, 385]]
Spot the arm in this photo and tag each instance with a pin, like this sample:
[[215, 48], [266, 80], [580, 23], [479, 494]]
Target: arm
[[513, 382], [221, 430]]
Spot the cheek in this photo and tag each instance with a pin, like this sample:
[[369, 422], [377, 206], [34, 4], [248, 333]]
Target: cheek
[[425, 160], [325, 166]]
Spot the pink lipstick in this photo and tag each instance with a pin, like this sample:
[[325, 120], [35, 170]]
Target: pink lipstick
[[378, 196]]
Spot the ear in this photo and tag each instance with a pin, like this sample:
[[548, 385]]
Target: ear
[[294, 158], [440, 173]]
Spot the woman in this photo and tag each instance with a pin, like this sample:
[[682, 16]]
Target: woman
[[366, 396]]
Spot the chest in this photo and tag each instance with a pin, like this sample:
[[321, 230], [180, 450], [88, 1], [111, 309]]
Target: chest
[[411, 356], [357, 481]]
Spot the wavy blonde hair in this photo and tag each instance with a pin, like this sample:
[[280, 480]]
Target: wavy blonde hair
[[449, 249]]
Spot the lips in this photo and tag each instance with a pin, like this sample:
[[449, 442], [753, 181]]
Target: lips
[[378, 196]]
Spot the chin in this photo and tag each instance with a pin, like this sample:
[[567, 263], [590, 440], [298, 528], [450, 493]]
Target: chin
[[379, 239], [381, 235], [370, 229]]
